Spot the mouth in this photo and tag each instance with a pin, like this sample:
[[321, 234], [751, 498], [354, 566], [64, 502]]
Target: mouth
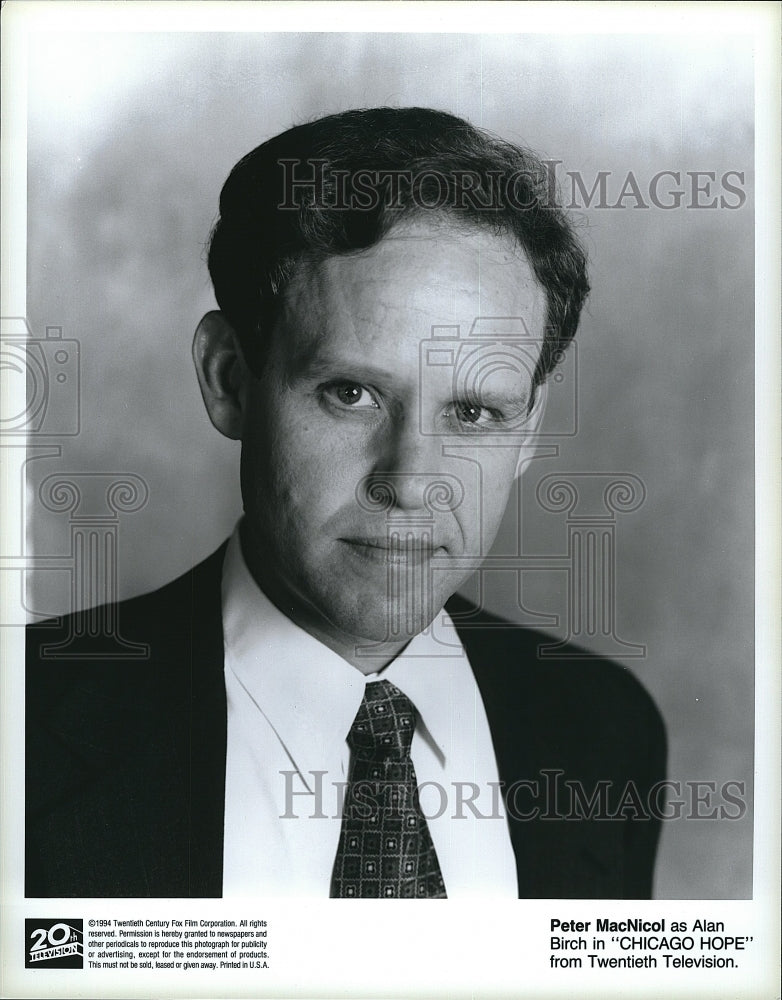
[[393, 551]]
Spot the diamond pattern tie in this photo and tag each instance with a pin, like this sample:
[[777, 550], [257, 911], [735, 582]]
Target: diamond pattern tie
[[385, 848]]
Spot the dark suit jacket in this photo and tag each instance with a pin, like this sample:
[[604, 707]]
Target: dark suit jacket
[[126, 759]]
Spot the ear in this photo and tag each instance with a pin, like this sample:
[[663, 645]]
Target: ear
[[532, 428], [222, 373]]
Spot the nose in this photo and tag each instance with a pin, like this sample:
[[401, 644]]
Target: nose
[[410, 473]]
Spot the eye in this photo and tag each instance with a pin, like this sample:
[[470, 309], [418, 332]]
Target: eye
[[351, 394], [468, 413], [472, 416]]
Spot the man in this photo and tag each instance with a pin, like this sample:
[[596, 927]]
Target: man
[[394, 287]]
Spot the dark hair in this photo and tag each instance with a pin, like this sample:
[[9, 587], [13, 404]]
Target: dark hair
[[339, 184]]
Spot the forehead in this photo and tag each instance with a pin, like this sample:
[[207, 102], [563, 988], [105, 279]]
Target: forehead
[[420, 276]]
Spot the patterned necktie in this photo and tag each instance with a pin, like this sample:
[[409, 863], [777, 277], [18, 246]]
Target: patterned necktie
[[385, 848]]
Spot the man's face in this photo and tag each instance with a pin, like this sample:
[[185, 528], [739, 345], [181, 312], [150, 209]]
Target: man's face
[[375, 478]]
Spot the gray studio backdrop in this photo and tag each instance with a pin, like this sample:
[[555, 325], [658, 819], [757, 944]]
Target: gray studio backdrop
[[130, 139]]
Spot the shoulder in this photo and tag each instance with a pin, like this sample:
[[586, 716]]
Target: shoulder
[[119, 646], [573, 695]]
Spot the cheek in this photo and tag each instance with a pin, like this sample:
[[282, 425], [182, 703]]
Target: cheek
[[298, 474], [487, 495]]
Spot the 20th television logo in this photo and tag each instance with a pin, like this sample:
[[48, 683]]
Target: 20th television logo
[[54, 944]]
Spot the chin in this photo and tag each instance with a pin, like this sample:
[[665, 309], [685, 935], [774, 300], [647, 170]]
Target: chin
[[385, 621]]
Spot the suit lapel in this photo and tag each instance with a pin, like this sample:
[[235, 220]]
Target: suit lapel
[[555, 857]]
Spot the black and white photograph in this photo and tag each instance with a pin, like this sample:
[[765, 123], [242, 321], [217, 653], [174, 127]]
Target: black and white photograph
[[389, 411]]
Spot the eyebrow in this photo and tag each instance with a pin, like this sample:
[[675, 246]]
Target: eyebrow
[[498, 398], [309, 366]]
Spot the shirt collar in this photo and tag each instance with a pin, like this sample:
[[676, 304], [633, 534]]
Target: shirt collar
[[310, 694]]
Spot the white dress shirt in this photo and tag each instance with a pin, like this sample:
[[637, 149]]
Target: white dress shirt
[[291, 703]]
